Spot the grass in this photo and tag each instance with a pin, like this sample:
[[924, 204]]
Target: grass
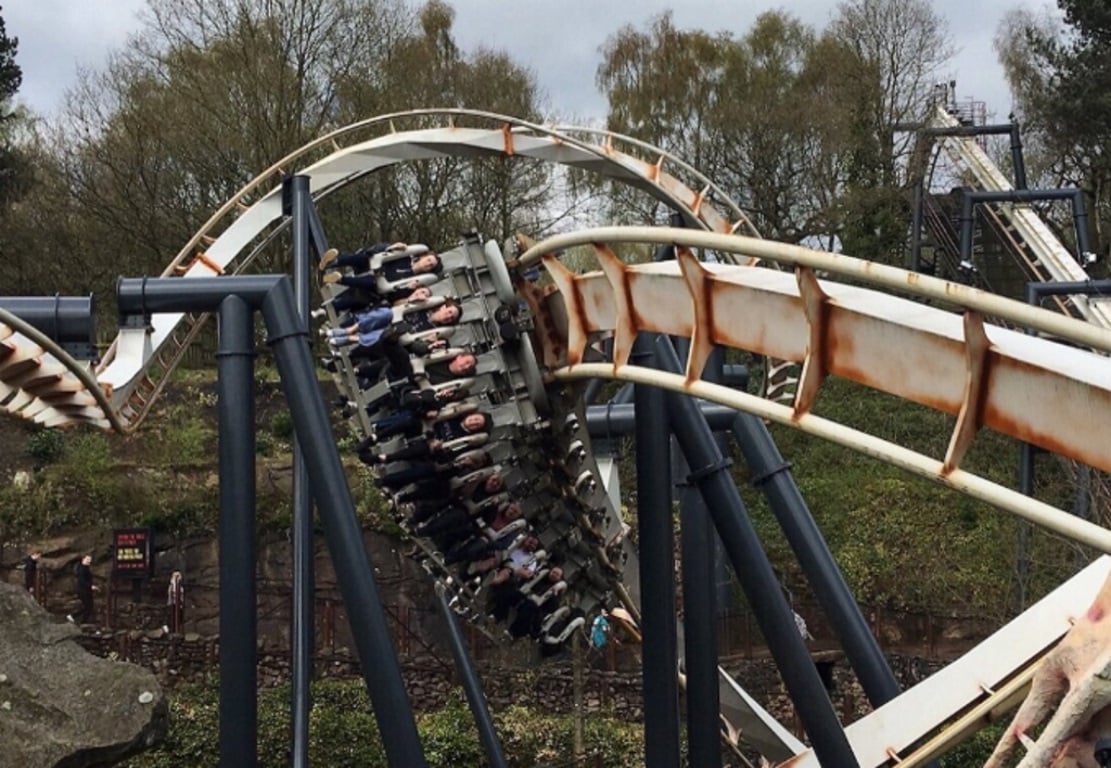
[[904, 541]]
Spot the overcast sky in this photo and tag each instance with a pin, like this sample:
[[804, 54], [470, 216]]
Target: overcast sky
[[559, 40]]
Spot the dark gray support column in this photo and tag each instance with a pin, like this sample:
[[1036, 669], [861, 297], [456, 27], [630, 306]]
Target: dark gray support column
[[590, 393], [70, 321], [274, 295], [238, 612], [757, 577], [735, 376], [472, 686], [302, 636], [916, 227], [1012, 128], [1017, 158], [1075, 196], [624, 395], [1080, 221], [377, 655], [1035, 292], [700, 625], [612, 420], [699, 565], [1022, 555], [772, 474], [657, 567], [967, 223], [774, 478]]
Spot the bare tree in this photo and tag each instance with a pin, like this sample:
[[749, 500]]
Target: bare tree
[[212, 92], [436, 200], [907, 44], [663, 86]]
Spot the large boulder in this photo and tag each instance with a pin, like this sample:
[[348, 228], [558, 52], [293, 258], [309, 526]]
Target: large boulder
[[61, 707]]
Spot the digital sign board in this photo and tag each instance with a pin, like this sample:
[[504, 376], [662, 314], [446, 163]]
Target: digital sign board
[[133, 552]]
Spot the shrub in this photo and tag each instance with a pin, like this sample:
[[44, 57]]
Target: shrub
[[184, 437], [281, 425], [46, 446], [33, 511], [87, 473], [974, 752], [450, 737], [185, 516], [264, 444]]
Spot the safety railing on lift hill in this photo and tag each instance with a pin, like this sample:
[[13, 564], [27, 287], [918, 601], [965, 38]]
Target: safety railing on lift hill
[[1024, 257], [1046, 250]]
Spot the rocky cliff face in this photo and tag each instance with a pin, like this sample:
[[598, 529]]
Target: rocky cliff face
[[61, 707], [118, 605]]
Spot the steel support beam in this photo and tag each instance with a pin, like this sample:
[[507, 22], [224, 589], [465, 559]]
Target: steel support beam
[[273, 296], [472, 686], [700, 623], [620, 419], [772, 475], [776, 620], [302, 638], [660, 658], [70, 321], [1076, 196], [1013, 129], [238, 607]]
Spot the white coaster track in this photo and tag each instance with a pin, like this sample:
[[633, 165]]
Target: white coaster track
[[1049, 254], [985, 375], [1048, 393]]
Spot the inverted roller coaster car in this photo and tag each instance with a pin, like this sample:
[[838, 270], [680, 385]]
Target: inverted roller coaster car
[[535, 447]]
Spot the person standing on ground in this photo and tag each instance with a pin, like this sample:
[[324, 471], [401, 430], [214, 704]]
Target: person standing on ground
[[31, 572], [600, 630], [85, 589], [175, 604]]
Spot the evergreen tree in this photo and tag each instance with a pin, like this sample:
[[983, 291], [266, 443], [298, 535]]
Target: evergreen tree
[[1079, 97], [1070, 112], [14, 171], [10, 74]]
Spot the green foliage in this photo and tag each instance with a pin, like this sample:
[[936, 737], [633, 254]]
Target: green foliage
[[184, 437], [371, 505], [183, 515], [201, 100], [11, 76], [1060, 75], [91, 482], [974, 752], [281, 425], [266, 375], [34, 511], [46, 446], [532, 738], [809, 149], [450, 737], [344, 733], [265, 444], [1075, 101], [343, 730], [15, 170]]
